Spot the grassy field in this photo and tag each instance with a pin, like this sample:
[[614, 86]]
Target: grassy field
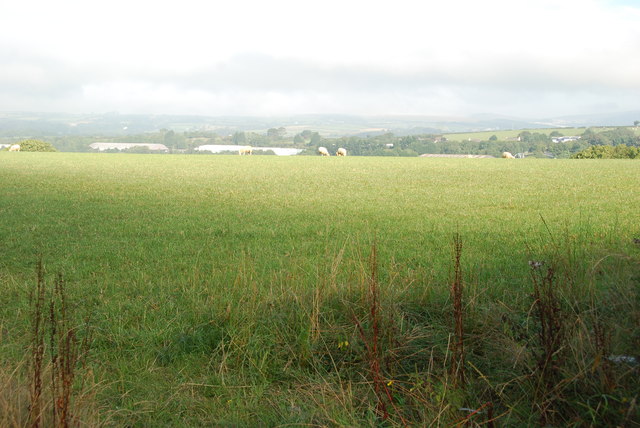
[[513, 133], [239, 290]]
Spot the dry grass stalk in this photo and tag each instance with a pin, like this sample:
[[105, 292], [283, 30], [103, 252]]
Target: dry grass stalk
[[65, 350], [457, 348], [372, 343], [37, 348], [65, 354], [551, 336], [602, 344]]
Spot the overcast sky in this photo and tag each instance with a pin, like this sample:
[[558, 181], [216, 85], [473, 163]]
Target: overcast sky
[[534, 58]]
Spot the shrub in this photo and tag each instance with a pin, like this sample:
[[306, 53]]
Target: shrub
[[36, 146], [608, 152]]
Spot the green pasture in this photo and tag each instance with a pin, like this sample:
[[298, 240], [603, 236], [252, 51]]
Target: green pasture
[[513, 133], [221, 289]]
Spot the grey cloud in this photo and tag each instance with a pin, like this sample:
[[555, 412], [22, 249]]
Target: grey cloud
[[37, 76], [525, 86], [261, 72]]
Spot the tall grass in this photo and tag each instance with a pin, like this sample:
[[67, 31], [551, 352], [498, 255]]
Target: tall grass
[[43, 391]]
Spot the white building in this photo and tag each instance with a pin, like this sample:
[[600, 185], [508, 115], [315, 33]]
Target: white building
[[565, 139], [124, 146], [220, 148], [444, 155]]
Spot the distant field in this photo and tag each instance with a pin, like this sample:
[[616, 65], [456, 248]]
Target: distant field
[[503, 135], [223, 288]]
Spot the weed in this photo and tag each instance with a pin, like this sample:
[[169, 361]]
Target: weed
[[372, 340], [602, 344], [36, 298], [551, 338], [66, 354], [457, 348]]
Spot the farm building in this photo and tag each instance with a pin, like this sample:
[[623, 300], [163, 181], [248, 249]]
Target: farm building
[[125, 146], [428, 155], [566, 139], [220, 148]]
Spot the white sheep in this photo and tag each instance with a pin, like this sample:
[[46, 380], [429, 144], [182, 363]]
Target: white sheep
[[246, 150], [14, 148], [323, 151], [341, 152], [507, 155]]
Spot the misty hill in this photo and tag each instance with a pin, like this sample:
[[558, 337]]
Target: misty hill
[[20, 124]]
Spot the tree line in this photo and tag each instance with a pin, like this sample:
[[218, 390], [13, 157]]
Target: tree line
[[592, 143]]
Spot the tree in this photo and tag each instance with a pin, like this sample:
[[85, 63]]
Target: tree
[[524, 136], [32, 145], [493, 138], [257, 140], [636, 123], [315, 139], [169, 138], [612, 137], [608, 152], [239, 138], [276, 134]]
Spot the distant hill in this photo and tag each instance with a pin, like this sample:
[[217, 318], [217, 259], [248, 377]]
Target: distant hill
[[605, 119], [27, 124]]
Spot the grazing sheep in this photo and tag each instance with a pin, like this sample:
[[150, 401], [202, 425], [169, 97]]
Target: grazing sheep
[[341, 152], [323, 151], [247, 150], [14, 148], [507, 155]]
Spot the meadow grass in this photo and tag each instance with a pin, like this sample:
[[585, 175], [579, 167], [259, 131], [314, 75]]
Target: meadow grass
[[513, 133], [228, 290]]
